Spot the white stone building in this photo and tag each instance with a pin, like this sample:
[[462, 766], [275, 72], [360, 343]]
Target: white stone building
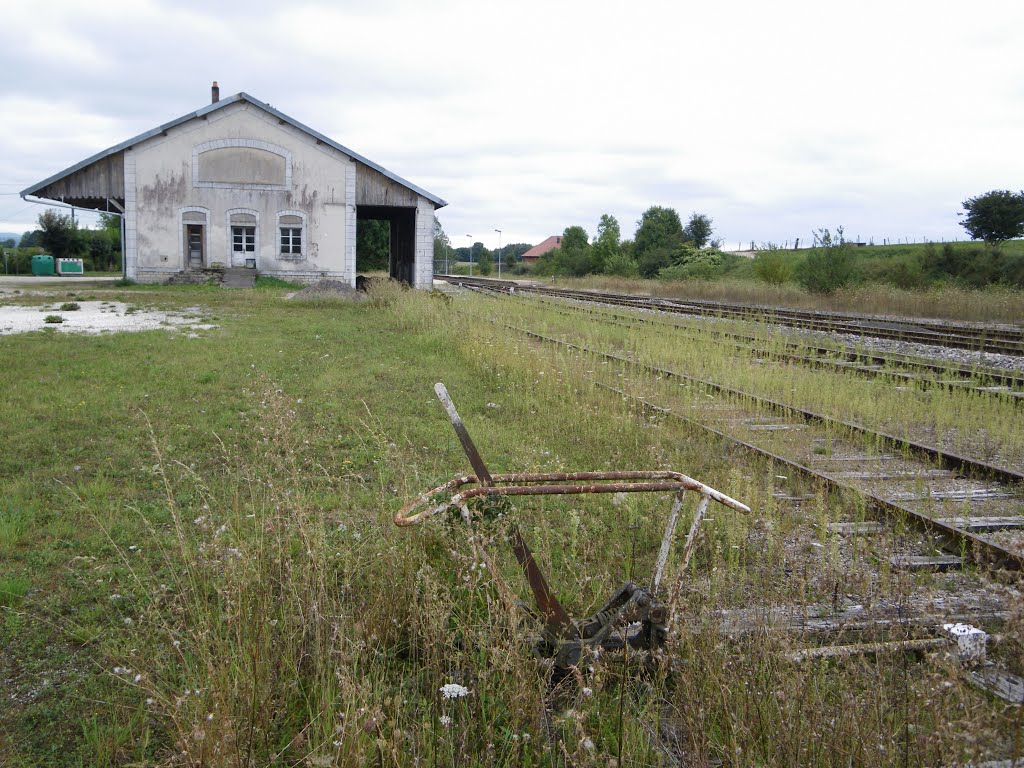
[[240, 184]]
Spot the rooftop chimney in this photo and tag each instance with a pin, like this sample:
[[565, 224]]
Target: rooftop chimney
[[215, 93]]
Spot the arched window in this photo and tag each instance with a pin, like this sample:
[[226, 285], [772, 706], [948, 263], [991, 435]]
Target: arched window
[[291, 227]]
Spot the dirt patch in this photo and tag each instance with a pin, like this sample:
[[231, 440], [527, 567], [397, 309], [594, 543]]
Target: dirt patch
[[329, 289], [93, 317]]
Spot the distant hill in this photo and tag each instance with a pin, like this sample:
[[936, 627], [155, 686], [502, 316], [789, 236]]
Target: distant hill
[[16, 236]]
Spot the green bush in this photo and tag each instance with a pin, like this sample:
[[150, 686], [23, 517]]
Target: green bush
[[575, 262], [773, 266], [654, 260], [829, 266], [703, 264], [485, 263], [621, 265]]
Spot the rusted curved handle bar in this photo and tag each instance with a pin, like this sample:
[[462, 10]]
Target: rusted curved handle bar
[[559, 483]]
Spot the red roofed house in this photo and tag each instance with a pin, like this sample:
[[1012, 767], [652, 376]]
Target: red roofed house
[[531, 256]]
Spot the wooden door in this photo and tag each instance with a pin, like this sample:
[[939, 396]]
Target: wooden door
[[194, 245]]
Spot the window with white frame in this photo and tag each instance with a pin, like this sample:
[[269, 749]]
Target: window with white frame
[[291, 240], [243, 239], [290, 227]]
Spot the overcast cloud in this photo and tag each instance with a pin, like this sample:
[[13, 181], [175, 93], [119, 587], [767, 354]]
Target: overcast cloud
[[774, 118]]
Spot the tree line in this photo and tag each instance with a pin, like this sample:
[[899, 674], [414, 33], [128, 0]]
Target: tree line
[[662, 247], [59, 235]]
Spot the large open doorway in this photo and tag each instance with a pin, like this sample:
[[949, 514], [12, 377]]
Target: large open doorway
[[391, 227]]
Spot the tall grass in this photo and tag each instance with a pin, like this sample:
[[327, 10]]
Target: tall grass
[[995, 303], [219, 571]]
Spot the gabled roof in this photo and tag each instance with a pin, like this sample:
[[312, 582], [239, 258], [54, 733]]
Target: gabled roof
[[437, 201], [548, 245]]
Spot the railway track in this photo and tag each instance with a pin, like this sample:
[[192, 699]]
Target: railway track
[[912, 371], [999, 340], [953, 499]]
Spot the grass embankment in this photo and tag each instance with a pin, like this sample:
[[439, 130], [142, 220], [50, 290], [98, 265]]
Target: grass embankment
[[198, 564]]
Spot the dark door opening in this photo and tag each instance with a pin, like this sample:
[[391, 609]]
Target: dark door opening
[[194, 245], [399, 225]]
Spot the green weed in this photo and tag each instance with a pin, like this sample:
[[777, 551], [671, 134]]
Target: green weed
[[12, 590]]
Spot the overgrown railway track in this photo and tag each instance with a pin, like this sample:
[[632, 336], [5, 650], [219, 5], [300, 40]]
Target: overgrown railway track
[[1003, 340], [904, 368], [952, 498]]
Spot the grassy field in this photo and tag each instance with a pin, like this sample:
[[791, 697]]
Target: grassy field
[[198, 564]]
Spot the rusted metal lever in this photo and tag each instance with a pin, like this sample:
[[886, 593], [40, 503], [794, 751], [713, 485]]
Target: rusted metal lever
[[555, 618]]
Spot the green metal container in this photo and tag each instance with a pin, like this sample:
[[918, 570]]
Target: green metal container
[[70, 267], [42, 264]]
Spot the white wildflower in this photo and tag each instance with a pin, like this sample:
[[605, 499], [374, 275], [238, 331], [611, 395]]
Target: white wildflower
[[618, 498], [454, 691], [444, 720], [588, 692], [587, 744]]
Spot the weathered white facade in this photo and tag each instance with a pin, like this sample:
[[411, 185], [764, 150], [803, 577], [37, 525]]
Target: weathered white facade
[[240, 184]]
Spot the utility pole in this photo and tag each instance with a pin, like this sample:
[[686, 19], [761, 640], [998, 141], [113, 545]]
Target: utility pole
[[499, 253], [470, 255]]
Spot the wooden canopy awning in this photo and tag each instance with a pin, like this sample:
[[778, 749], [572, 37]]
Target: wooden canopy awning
[[98, 186]]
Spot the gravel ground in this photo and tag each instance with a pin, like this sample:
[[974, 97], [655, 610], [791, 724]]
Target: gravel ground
[[93, 317], [927, 351]]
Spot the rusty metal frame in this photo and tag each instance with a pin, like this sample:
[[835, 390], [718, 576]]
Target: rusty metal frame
[[565, 639], [558, 483]]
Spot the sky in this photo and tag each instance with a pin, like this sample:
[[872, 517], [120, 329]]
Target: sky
[[775, 119]]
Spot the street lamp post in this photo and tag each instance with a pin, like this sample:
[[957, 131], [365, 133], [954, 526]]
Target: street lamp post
[[499, 253], [470, 255]]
